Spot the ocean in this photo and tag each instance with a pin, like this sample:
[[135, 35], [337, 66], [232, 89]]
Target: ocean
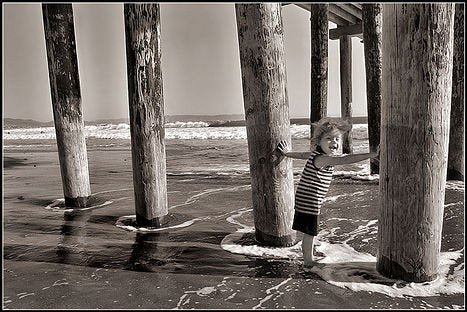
[[205, 256], [206, 132]]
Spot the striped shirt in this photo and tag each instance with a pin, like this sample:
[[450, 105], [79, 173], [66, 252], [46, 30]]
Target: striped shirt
[[313, 186]]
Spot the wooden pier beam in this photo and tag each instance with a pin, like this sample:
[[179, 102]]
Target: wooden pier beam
[[66, 102], [345, 51], [142, 33], [417, 77], [372, 15], [319, 63], [350, 30], [260, 35], [456, 132]]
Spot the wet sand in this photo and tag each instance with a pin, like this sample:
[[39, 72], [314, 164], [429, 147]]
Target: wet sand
[[58, 258]]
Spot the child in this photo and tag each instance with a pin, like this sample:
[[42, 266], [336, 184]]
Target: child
[[316, 177]]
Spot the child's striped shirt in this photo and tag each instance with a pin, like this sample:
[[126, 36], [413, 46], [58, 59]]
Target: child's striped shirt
[[313, 186]]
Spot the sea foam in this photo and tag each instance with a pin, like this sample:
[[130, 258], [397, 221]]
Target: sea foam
[[348, 268], [175, 130]]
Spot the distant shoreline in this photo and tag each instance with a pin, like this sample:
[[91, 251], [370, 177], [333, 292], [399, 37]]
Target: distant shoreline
[[297, 121], [213, 120]]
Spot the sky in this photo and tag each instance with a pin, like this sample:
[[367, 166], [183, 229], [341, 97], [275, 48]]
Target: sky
[[200, 61]]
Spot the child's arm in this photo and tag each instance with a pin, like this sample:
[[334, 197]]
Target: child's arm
[[325, 160], [283, 150]]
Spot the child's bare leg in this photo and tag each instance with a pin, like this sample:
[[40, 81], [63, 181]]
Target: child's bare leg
[[307, 249]]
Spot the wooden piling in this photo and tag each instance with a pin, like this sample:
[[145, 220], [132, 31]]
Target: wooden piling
[[372, 34], [345, 51], [142, 33], [260, 35], [319, 63], [417, 77], [456, 132], [66, 102]]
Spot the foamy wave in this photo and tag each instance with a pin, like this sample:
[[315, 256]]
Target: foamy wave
[[188, 124], [348, 268], [42, 133], [120, 126], [175, 130], [359, 131], [363, 175], [59, 205], [19, 146], [229, 243], [209, 133], [129, 223], [343, 269], [455, 185], [213, 172]]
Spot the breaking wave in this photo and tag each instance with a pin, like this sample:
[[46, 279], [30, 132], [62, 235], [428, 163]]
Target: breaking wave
[[175, 130]]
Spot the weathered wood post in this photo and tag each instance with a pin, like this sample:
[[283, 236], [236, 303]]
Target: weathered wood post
[[66, 102], [142, 33], [417, 76], [456, 132], [345, 51], [372, 16], [319, 63], [260, 35]]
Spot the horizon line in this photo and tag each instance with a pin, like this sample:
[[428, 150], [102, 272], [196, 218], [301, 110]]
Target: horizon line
[[176, 115]]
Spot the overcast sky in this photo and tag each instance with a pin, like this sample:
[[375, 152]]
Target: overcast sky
[[200, 61]]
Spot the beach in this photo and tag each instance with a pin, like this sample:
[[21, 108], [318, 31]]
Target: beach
[[205, 256]]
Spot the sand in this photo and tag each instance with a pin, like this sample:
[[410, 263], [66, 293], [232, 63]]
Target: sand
[[206, 258]]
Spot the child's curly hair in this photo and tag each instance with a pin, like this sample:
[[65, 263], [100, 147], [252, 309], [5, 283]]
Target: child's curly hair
[[326, 125]]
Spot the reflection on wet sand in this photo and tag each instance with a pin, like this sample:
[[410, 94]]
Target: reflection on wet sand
[[72, 247], [147, 254]]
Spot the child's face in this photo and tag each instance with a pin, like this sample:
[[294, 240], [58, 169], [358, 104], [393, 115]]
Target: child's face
[[330, 143]]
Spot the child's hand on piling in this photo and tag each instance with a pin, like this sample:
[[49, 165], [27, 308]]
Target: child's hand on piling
[[282, 148], [280, 151]]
